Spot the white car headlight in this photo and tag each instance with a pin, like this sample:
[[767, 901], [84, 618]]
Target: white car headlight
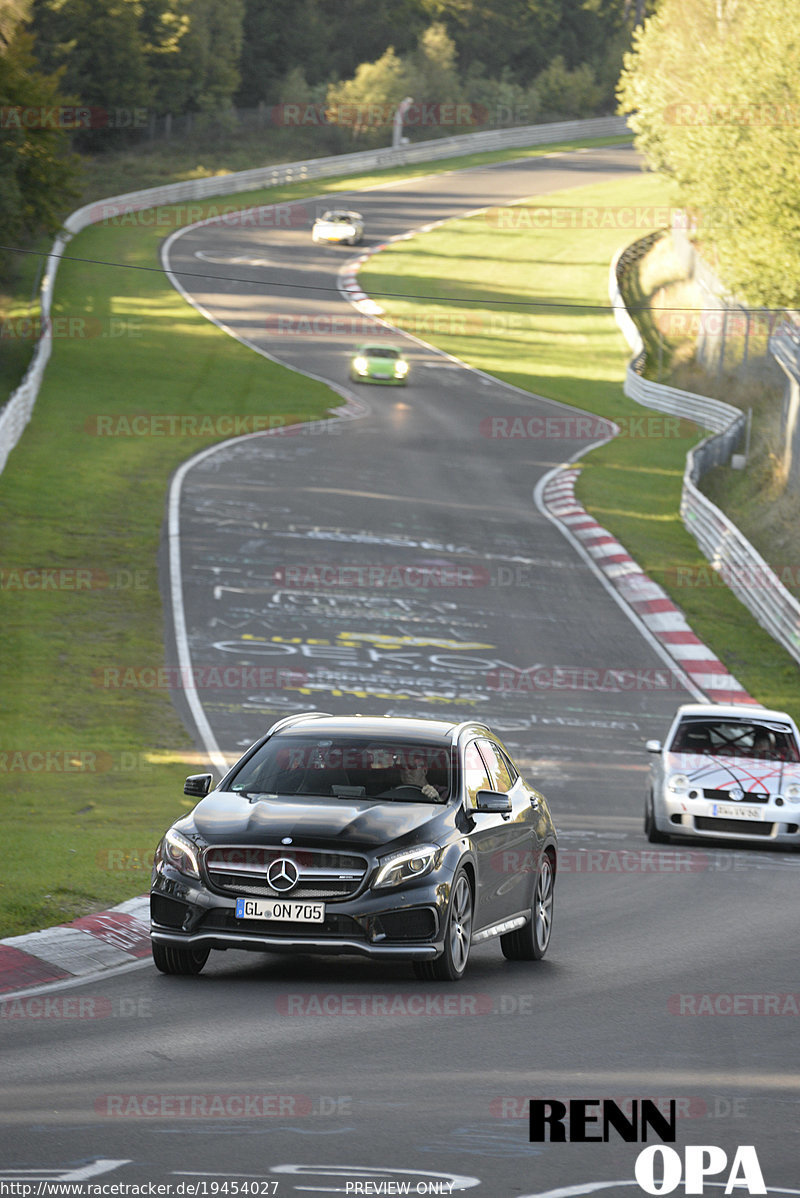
[[792, 792], [402, 867], [180, 853], [678, 783]]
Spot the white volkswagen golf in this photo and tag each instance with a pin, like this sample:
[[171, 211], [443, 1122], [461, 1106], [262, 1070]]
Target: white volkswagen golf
[[730, 772]]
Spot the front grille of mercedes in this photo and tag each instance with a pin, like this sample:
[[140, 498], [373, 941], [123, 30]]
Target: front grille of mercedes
[[242, 870]]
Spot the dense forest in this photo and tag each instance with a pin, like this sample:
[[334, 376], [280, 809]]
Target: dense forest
[[712, 89], [91, 76]]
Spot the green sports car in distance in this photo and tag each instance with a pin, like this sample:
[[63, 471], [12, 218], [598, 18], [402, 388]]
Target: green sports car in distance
[[379, 364]]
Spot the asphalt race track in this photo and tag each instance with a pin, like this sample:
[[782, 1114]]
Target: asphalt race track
[[393, 560]]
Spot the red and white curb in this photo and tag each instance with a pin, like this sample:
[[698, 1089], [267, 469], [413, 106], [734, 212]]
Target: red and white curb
[[83, 948], [653, 607]]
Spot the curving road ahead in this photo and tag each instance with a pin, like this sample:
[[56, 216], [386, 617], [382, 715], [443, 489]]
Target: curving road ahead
[[394, 561]]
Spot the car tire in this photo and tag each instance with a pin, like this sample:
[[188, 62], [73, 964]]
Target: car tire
[[452, 964], [173, 959], [531, 942], [650, 830]]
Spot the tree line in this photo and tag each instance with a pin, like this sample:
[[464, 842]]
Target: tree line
[[712, 88], [91, 75]]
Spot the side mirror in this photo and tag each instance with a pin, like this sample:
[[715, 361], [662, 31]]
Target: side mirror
[[653, 746], [493, 801], [198, 785]]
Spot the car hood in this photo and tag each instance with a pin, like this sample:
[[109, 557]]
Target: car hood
[[721, 773], [224, 818]]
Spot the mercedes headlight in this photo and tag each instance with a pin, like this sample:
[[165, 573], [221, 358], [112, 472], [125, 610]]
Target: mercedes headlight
[[403, 867], [180, 853]]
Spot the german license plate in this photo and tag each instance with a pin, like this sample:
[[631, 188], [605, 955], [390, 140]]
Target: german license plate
[[726, 811], [292, 911]]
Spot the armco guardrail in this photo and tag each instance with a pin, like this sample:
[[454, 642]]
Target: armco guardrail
[[744, 570], [16, 413]]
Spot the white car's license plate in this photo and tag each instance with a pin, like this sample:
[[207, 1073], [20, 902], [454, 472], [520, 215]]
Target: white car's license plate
[[726, 812], [292, 911]]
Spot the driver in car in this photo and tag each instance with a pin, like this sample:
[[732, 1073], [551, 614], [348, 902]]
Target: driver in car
[[417, 775]]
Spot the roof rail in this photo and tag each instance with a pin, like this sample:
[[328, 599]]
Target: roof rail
[[459, 728], [291, 719]]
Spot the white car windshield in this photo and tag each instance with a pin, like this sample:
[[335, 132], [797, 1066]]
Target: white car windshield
[[736, 738]]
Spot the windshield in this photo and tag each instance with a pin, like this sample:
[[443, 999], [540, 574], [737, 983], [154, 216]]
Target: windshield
[[347, 768], [379, 351], [728, 738]]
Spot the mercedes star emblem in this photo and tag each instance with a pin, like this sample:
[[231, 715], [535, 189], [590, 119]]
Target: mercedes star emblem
[[282, 875]]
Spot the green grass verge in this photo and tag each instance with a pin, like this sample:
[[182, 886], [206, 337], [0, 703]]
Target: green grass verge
[[90, 776], [529, 304], [76, 834]]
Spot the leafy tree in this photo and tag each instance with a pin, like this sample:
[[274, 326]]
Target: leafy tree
[[504, 101], [280, 36], [130, 57], [713, 89], [37, 173], [210, 49], [366, 102], [567, 93], [163, 26], [431, 69], [13, 13], [96, 45]]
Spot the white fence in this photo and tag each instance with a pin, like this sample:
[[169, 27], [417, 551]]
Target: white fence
[[753, 582], [16, 413]]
